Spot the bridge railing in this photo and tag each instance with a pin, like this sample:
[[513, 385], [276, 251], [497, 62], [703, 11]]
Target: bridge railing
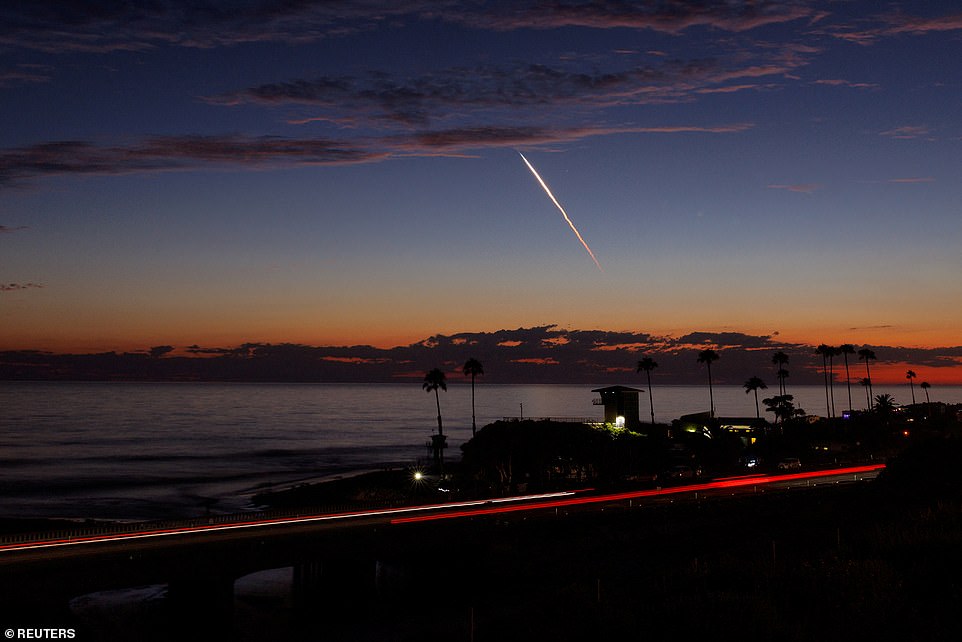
[[105, 529]]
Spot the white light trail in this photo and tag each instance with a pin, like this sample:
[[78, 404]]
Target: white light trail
[[563, 213]]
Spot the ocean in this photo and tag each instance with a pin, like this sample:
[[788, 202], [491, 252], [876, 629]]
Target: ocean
[[171, 450]]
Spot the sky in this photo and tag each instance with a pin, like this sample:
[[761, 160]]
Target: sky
[[344, 173]]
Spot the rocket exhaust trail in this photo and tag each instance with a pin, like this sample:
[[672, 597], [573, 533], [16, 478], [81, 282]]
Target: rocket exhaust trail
[[563, 213]]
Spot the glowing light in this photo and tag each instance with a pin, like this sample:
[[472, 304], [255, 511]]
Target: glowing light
[[563, 213], [619, 422], [729, 482], [73, 541]]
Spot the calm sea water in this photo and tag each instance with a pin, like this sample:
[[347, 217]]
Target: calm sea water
[[158, 450]]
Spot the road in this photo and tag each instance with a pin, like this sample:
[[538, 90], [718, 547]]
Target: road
[[237, 528]]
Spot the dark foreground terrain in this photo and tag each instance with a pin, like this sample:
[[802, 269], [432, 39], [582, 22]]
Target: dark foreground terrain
[[879, 560]]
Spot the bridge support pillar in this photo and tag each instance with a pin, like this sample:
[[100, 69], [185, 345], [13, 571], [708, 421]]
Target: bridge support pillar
[[205, 600], [336, 584]]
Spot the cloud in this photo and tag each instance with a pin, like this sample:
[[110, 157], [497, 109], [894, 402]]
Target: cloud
[[674, 17], [12, 287], [379, 99], [539, 354], [921, 179], [873, 29], [838, 82], [171, 153], [908, 132], [4, 229], [23, 74], [104, 25], [187, 152], [801, 188]]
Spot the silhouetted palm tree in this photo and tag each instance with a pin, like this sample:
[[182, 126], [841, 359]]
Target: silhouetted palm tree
[[925, 385], [473, 368], [825, 350], [782, 375], [433, 380], [780, 359], [847, 349], [753, 385], [832, 353], [648, 364], [783, 406], [867, 355], [867, 383], [885, 405], [910, 376], [707, 356]]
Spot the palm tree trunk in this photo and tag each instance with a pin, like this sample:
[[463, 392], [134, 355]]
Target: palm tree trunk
[[828, 408], [758, 414], [437, 398], [711, 395], [651, 404], [831, 381], [871, 395], [848, 381], [474, 425]]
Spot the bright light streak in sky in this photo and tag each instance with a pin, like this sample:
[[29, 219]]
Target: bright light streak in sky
[[563, 213]]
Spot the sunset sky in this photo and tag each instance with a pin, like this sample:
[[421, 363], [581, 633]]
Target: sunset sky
[[341, 173]]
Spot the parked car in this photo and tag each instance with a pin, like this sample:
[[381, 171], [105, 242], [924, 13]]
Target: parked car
[[680, 472], [789, 463]]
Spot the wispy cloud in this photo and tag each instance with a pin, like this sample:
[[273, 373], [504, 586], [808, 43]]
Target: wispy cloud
[[379, 99], [174, 152], [674, 17], [802, 188], [12, 287], [870, 30], [24, 74], [907, 132], [188, 152], [838, 82], [102, 25], [5, 229], [919, 179]]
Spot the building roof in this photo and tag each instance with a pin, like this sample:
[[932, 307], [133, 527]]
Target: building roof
[[617, 389]]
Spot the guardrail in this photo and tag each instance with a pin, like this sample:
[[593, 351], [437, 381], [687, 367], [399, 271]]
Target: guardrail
[[88, 530]]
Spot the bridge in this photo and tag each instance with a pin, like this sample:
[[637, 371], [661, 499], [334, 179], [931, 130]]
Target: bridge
[[338, 557]]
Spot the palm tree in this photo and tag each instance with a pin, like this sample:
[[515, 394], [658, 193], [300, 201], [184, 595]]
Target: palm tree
[[473, 368], [867, 355], [433, 380], [885, 405], [783, 406], [825, 350], [780, 359], [925, 385], [707, 356], [867, 383], [910, 376], [847, 349], [782, 375], [753, 385], [832, 353], [648, 364]]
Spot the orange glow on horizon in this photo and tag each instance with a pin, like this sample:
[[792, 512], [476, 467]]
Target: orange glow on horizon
[[891, 374]]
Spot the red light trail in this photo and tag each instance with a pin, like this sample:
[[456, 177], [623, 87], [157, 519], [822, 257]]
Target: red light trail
[[430, 512], [730, 482]]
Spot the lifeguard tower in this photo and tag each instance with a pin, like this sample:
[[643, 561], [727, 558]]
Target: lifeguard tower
[[621, 405]]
